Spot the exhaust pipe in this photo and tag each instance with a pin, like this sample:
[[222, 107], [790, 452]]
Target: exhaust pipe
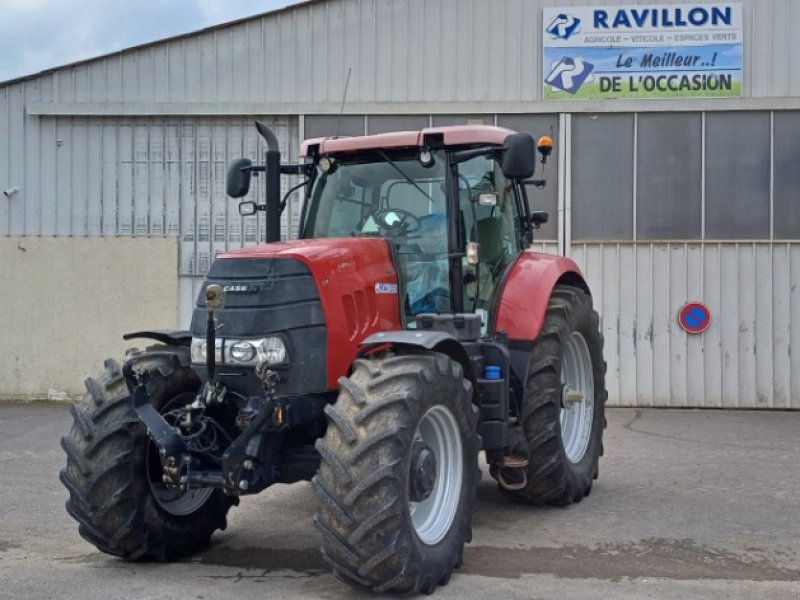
[[272, 183]]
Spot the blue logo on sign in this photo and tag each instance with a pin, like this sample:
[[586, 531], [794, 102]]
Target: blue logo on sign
[[564, 26], [569, 74]]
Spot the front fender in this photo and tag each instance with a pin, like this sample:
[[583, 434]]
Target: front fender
[[438, 341], [165, 336], [526, 292]]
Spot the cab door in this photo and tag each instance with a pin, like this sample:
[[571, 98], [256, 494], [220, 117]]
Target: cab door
[[489, 207]]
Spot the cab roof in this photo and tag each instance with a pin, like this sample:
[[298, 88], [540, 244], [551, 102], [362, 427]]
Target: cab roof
[[461, 135]]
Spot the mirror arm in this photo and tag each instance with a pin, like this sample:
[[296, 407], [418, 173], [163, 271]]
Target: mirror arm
[[539, 183], [298, 169], [253, 169], [465, 155]]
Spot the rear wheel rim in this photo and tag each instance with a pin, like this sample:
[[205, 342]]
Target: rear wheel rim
[[577, 405], [180, 503], [433, 517]]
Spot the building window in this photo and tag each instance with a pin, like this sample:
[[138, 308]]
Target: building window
[[331, 125], [737, 175], [602, 177], [669, 176], [386, 123], [786, 182]]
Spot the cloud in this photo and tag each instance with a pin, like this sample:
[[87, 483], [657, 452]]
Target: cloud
[[41, 34]]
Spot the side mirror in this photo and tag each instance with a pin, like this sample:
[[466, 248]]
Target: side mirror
[[248, 209], [519, 156], [238, 180], [539, 218]]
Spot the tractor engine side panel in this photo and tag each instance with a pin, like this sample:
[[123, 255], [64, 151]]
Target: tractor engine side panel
[[526, 293], [360, 296]]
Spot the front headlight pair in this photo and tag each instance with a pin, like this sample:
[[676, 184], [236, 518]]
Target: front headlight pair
[[242, 352]]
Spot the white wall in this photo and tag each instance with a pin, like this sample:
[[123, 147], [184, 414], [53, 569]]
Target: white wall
[[66, 302]]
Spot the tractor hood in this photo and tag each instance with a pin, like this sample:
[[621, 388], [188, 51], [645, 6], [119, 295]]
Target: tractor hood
[[323, 297]]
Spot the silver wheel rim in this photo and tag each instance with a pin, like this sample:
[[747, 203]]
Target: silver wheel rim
[[176, 502], [432, 517], [577, 402]]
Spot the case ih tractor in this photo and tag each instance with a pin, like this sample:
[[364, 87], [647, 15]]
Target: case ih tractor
[[405, 331]]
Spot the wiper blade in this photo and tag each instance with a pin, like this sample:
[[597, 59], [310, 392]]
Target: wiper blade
[[385, 157]]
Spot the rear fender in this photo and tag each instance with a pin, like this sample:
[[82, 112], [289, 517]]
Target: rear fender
[[526, 293]]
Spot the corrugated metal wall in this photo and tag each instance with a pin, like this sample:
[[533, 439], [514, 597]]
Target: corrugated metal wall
[[400, 51], [137, 143], [744, 360], [140, 176]]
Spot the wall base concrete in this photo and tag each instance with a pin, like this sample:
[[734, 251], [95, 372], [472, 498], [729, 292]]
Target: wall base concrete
[[67, 302]]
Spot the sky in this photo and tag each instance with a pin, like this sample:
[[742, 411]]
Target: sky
[[40, 34]]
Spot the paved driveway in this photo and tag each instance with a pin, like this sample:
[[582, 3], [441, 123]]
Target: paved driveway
[[690, 504]]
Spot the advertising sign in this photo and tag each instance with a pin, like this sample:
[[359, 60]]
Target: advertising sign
[[642, 51]]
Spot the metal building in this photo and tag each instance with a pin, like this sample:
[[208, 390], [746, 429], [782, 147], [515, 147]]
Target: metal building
[[661, 201]]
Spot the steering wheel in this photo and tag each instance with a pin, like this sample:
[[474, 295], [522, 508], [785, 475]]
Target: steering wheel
[[402, 221]]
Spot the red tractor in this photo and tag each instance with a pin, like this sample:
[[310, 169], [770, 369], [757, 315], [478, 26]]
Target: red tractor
[[405, 331]]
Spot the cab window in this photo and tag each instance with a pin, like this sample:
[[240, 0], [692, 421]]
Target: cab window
[[489, 209]]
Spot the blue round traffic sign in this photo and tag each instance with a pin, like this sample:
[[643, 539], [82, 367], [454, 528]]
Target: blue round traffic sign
[[694, 317]]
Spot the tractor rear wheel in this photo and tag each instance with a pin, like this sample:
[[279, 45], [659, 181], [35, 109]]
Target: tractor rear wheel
[[396, 485], [113, 471], [563, 410]]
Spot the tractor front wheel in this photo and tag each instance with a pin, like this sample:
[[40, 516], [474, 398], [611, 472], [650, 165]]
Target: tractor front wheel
[[396, 485], [113, 471]]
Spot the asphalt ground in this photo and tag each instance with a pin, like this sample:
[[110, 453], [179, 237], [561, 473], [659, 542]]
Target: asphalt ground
[[689, 504]]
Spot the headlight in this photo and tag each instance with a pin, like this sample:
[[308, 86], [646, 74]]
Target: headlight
[[242, 352], [272, 350], [199, 350]]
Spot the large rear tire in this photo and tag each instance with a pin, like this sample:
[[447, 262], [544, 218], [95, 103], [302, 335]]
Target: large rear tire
[[113, 471], [396, 485], [563, 410]]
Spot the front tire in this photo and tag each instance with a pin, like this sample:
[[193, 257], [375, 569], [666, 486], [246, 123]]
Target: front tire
[[563, 410], [113, 470], [396, 485]]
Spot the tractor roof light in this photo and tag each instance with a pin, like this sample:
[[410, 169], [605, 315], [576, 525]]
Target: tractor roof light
[[545, 145], [426, 158]]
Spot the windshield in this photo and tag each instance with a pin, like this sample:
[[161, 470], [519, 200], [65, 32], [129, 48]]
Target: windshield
[[357, 198], [390, 195]]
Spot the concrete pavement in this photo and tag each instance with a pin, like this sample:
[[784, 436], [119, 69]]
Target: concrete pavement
[[689, 504]]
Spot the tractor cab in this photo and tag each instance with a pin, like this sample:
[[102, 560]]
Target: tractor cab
[[454, 218]]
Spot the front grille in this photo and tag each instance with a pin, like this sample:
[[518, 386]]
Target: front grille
[[267, 296]]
